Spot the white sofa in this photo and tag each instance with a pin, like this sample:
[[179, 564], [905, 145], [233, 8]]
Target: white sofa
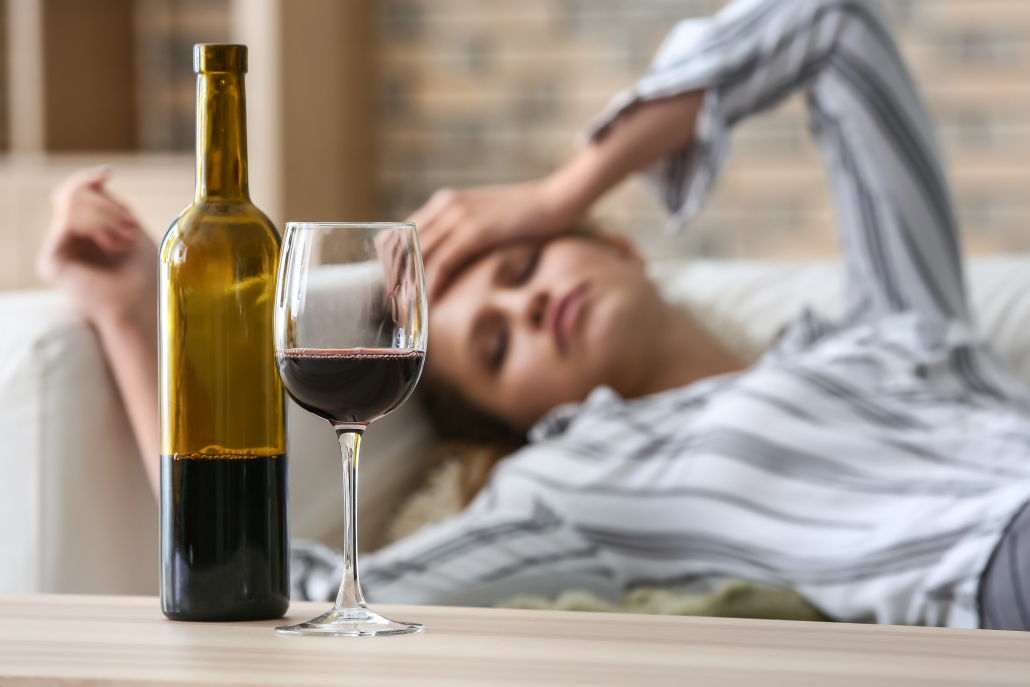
[[76, 514]]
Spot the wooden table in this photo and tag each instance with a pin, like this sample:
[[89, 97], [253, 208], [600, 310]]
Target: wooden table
[[88, 640]]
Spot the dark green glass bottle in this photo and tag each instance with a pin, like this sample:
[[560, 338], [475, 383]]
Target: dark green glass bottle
[[224, 528]]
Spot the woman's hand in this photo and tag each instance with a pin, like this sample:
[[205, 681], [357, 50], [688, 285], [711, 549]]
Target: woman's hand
[[98, 254], [103, 261], [456, 226]]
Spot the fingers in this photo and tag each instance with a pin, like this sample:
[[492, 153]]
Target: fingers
[[450, 231], [89, 183], [462, 245], [390, 247], [448, 234], [88, 225], [92, 177], [95, 177], [442, 229], [435, 219], [98, 217], [455, 226], [426, 214]]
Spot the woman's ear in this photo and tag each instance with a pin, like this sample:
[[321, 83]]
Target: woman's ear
[[622, 246]]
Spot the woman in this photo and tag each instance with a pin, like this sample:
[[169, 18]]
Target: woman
[[877, 465]]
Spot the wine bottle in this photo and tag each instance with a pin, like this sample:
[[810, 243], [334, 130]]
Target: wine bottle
[[224, 531]]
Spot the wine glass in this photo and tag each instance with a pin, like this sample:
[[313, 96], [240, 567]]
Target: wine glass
[[350, 342]]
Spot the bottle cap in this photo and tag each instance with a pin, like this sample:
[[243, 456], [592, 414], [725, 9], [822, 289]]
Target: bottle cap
[[219, 57]]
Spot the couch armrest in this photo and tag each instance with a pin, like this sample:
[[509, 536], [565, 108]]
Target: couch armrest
[[78, 511], [79, 516]]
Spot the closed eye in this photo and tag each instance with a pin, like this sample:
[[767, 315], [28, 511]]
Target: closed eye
[[518, 266], [490, 337], [491, 332], [529, 267]]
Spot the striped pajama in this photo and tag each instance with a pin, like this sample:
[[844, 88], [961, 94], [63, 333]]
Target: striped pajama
[[872, 464]]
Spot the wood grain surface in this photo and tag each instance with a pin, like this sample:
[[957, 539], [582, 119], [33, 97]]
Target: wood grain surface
[[103, 640]]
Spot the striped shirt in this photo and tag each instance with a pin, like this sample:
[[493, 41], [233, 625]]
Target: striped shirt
[[870, 463]]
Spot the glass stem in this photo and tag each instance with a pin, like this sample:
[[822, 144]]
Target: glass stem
[[350, 588]]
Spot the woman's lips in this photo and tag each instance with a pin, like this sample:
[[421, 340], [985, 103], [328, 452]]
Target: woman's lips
[[566, 315]]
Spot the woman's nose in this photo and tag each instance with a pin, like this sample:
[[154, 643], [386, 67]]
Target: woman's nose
[[535, 309], [525, 306]]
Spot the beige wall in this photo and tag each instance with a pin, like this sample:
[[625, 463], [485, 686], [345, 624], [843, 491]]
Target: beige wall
[[329, 109], [156, 187], [89, 84], [359, 109], [312, 114]]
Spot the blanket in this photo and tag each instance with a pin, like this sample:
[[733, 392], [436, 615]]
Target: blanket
[[732, 599]]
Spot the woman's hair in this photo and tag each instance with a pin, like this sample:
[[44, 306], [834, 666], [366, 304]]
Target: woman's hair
[[475, 437]]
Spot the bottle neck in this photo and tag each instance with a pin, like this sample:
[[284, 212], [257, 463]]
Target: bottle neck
[[221, 137]]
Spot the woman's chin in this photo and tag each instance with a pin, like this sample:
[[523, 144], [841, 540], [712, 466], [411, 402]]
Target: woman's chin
[[604, 347]]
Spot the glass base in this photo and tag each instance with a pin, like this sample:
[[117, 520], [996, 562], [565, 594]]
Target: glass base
[[350, 622]]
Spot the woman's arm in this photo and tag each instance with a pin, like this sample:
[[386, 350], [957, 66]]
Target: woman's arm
[[894, 210], [455, 226], [106, 265], [130, 344]]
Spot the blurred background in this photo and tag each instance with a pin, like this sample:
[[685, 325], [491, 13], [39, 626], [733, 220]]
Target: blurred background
[[359, 109]]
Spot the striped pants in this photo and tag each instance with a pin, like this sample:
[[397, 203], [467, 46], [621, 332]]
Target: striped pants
[[1005, 588]]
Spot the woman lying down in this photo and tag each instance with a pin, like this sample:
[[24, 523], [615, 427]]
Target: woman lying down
[[879, 465]]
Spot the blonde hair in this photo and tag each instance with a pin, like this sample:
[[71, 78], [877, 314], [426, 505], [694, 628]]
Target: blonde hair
[[474, 437]]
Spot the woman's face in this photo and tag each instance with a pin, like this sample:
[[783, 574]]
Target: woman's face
[[529, 327]]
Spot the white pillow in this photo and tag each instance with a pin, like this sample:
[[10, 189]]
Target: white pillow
[[746, 303]]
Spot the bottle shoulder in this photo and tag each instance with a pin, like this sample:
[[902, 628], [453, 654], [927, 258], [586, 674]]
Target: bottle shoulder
[[220, 221]]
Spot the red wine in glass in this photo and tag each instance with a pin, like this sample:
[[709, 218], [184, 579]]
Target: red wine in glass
[[351, 322], [350, 385]]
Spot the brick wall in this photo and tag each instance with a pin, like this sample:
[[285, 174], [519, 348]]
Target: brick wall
[[166, 86], [476, 92]]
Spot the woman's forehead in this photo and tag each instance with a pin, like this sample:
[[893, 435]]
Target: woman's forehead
[[471, 278], [479, 274], [450, 325], [451, 314]]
